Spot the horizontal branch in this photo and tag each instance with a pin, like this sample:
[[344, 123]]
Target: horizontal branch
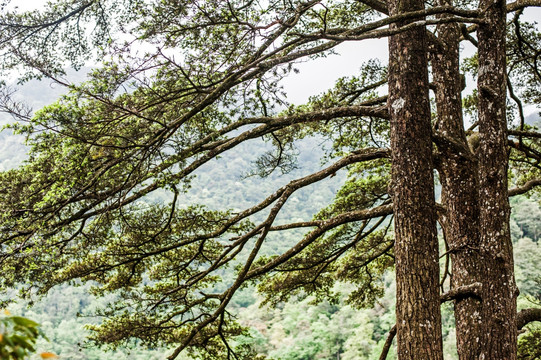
[[528, 134], [369, 30], [525, 149], [377, 34], [462, 292], [514, 6], [521, 4], [526, 316], [377, 5], [325, 114], [525, 188], [323, 226]]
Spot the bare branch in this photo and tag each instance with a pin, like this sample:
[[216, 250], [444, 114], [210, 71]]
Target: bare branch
[[377, 5], [525, 188], [527, 134], [388, 343], [519, 105], [526, 316], [520, 4], [462, 292]]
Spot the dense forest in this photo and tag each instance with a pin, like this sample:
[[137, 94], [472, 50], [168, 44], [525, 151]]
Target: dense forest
[[169, 199], [294, 330]]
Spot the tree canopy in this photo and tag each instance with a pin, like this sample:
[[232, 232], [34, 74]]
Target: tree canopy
[[178, 85]]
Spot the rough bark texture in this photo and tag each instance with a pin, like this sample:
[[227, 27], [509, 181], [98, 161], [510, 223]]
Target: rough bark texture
[[499, 289], [458, 177], [526, 316], [416, 247]]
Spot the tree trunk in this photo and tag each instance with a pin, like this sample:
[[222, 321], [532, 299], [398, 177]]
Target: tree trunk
[[416, 246], [499, 289], [458, 177]]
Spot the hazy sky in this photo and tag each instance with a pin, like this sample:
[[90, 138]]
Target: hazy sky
[[318, 75]]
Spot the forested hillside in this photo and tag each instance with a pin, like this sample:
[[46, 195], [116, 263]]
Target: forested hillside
[[293, 330]]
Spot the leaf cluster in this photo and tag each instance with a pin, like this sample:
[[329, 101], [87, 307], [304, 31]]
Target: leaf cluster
[[18, 336]]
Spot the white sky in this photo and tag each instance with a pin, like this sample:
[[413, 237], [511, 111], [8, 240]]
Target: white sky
[[320, 74], [26, 5]]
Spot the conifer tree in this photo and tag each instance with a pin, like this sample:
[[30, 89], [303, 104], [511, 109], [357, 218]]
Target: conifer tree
[[82, 207]]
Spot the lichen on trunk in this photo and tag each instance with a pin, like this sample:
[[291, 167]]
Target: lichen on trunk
[[416, 246], [499, 290]]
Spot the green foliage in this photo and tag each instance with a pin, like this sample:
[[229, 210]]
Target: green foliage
[[527, 216], [528, 275], [529, 344], [52, 39], [348, 254], [18, 336], [365, 267], [105, 155], [366, 185], [300, 329], [470, 65], [138, 179], [361, 333], [469, 104], [65, 314]]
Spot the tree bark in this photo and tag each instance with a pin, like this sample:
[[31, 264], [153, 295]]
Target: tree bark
[[526, 316], [499, 290], [416, 246], [458, 177]]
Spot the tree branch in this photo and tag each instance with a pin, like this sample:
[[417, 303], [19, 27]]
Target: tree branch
[[525, 149], [520, 4], [388, 343], [528, 134], [525, 188], [462, 292], [514, 6], [55, 22], [526, 316], [369, 30], [377, 5], [323, 227]]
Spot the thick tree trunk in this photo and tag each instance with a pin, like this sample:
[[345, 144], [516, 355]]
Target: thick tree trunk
[[458, 176], [499, 289], [416, 247]]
